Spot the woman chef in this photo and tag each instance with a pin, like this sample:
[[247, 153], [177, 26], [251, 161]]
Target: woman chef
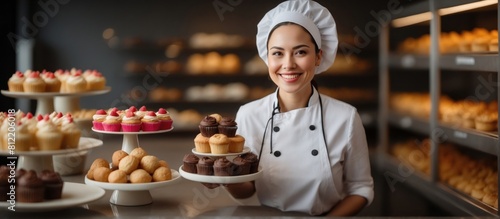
[[312, 148]]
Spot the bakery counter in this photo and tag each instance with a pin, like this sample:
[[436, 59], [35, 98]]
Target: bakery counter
[[183, 199]]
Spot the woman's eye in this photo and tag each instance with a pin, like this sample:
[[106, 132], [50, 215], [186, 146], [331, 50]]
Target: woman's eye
[[300, 52], [277, 53]]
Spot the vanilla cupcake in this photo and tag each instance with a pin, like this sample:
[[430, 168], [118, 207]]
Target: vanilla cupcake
[[131, 122], [141, 112], [52, 83], [24, 140], [95, 81], [150, 122], [71, 133], [98, 118], [112, 122], [165, 119], [15, 82], [48, 136], [34, 83], [201, 144], [76, 83], [62, 76], [219, 144]]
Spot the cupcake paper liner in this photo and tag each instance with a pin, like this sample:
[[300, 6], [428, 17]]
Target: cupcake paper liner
[[30, 194], [150, 126], [112, 127], [227, 130], [131, 127], [71, 139], [208, 131], [165, 124], [97, 125], [219, 148]]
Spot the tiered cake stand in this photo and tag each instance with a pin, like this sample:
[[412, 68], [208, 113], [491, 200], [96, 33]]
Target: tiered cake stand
[[73, 194], [220, 179], [132, 194], [65, 102]]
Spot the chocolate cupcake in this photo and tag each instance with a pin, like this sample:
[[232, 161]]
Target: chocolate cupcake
[[223, 167], [190, 161], [227, 126], [30, 188], [241, 166], [252, 159], [209, 126], [205, 166], [53, 184], [4, 183]]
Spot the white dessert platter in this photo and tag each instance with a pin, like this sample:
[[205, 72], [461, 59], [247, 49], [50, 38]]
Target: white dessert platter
[[133, 194], [220, 179], [130, 139], [42, 159], [65, 102], [244, 151], [73, 194]]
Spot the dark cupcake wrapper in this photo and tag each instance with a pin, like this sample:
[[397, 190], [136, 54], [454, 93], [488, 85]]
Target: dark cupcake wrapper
[[189, 167], [229, 131], [30, 194], [204, 169], [208, 131]]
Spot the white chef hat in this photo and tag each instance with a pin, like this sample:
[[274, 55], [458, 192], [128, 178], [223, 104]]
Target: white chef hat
[[309, 14]]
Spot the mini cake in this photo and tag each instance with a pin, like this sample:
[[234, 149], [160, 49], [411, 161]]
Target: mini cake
[[95, 81], [227, 126], [98, 118], [48, 136], [101, 174], [53, 184], [219, 144], [208, 126], [4, 183], [76, 83], [30, 188], [71, 133], [112, 122], [131, 122], [189, 163], [242, 167], [24, 139], [223, 167], [117, 176], [201, 144], [15, 82], [117, 156], [52, 83], [149, 163], [140, 176], [128, 164], [162, 174], [150, 122], [138, 152], [236, 144], [253, 160], [165, 119], [34, 83]]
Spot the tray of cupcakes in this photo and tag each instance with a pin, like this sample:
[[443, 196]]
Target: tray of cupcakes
[[43, 191], [134, 171], [219, 155], [132, 121]]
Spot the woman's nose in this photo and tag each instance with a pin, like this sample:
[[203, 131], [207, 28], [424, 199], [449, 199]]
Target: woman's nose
[[289, 63]]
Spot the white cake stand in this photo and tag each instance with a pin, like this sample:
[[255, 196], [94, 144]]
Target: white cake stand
[[65, 102], [137, 194], [42, 160]]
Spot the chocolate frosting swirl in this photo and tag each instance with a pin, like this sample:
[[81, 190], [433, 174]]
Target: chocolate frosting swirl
[[191, 158], [206, 161], [209, 121], [227, 121], [222, 162], [30, 179]]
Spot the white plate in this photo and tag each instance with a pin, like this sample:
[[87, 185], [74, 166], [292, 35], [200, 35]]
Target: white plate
[[53, 94], [245, 150], [133, 133], [134, 186], [220, 179], [84, 144], [73, 194]]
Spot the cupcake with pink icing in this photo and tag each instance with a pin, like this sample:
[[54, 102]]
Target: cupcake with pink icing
[[57, 118], [24, 139], [30, 123], [76, 83], [95, 81], [34, 83], [131, 122], [15, 82], [150, 122], [112, 123], [98, 118], [62, 76], [141, 112], [165, 119]]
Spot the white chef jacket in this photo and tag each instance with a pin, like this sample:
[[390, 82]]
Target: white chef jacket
[[299, 172]]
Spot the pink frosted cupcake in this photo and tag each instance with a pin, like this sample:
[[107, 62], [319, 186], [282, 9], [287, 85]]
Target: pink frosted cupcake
[[131, 122], [98, 118], [165, 119], [52, 83], [15, 82], [150, 122], [112, 123], [141, 112]]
